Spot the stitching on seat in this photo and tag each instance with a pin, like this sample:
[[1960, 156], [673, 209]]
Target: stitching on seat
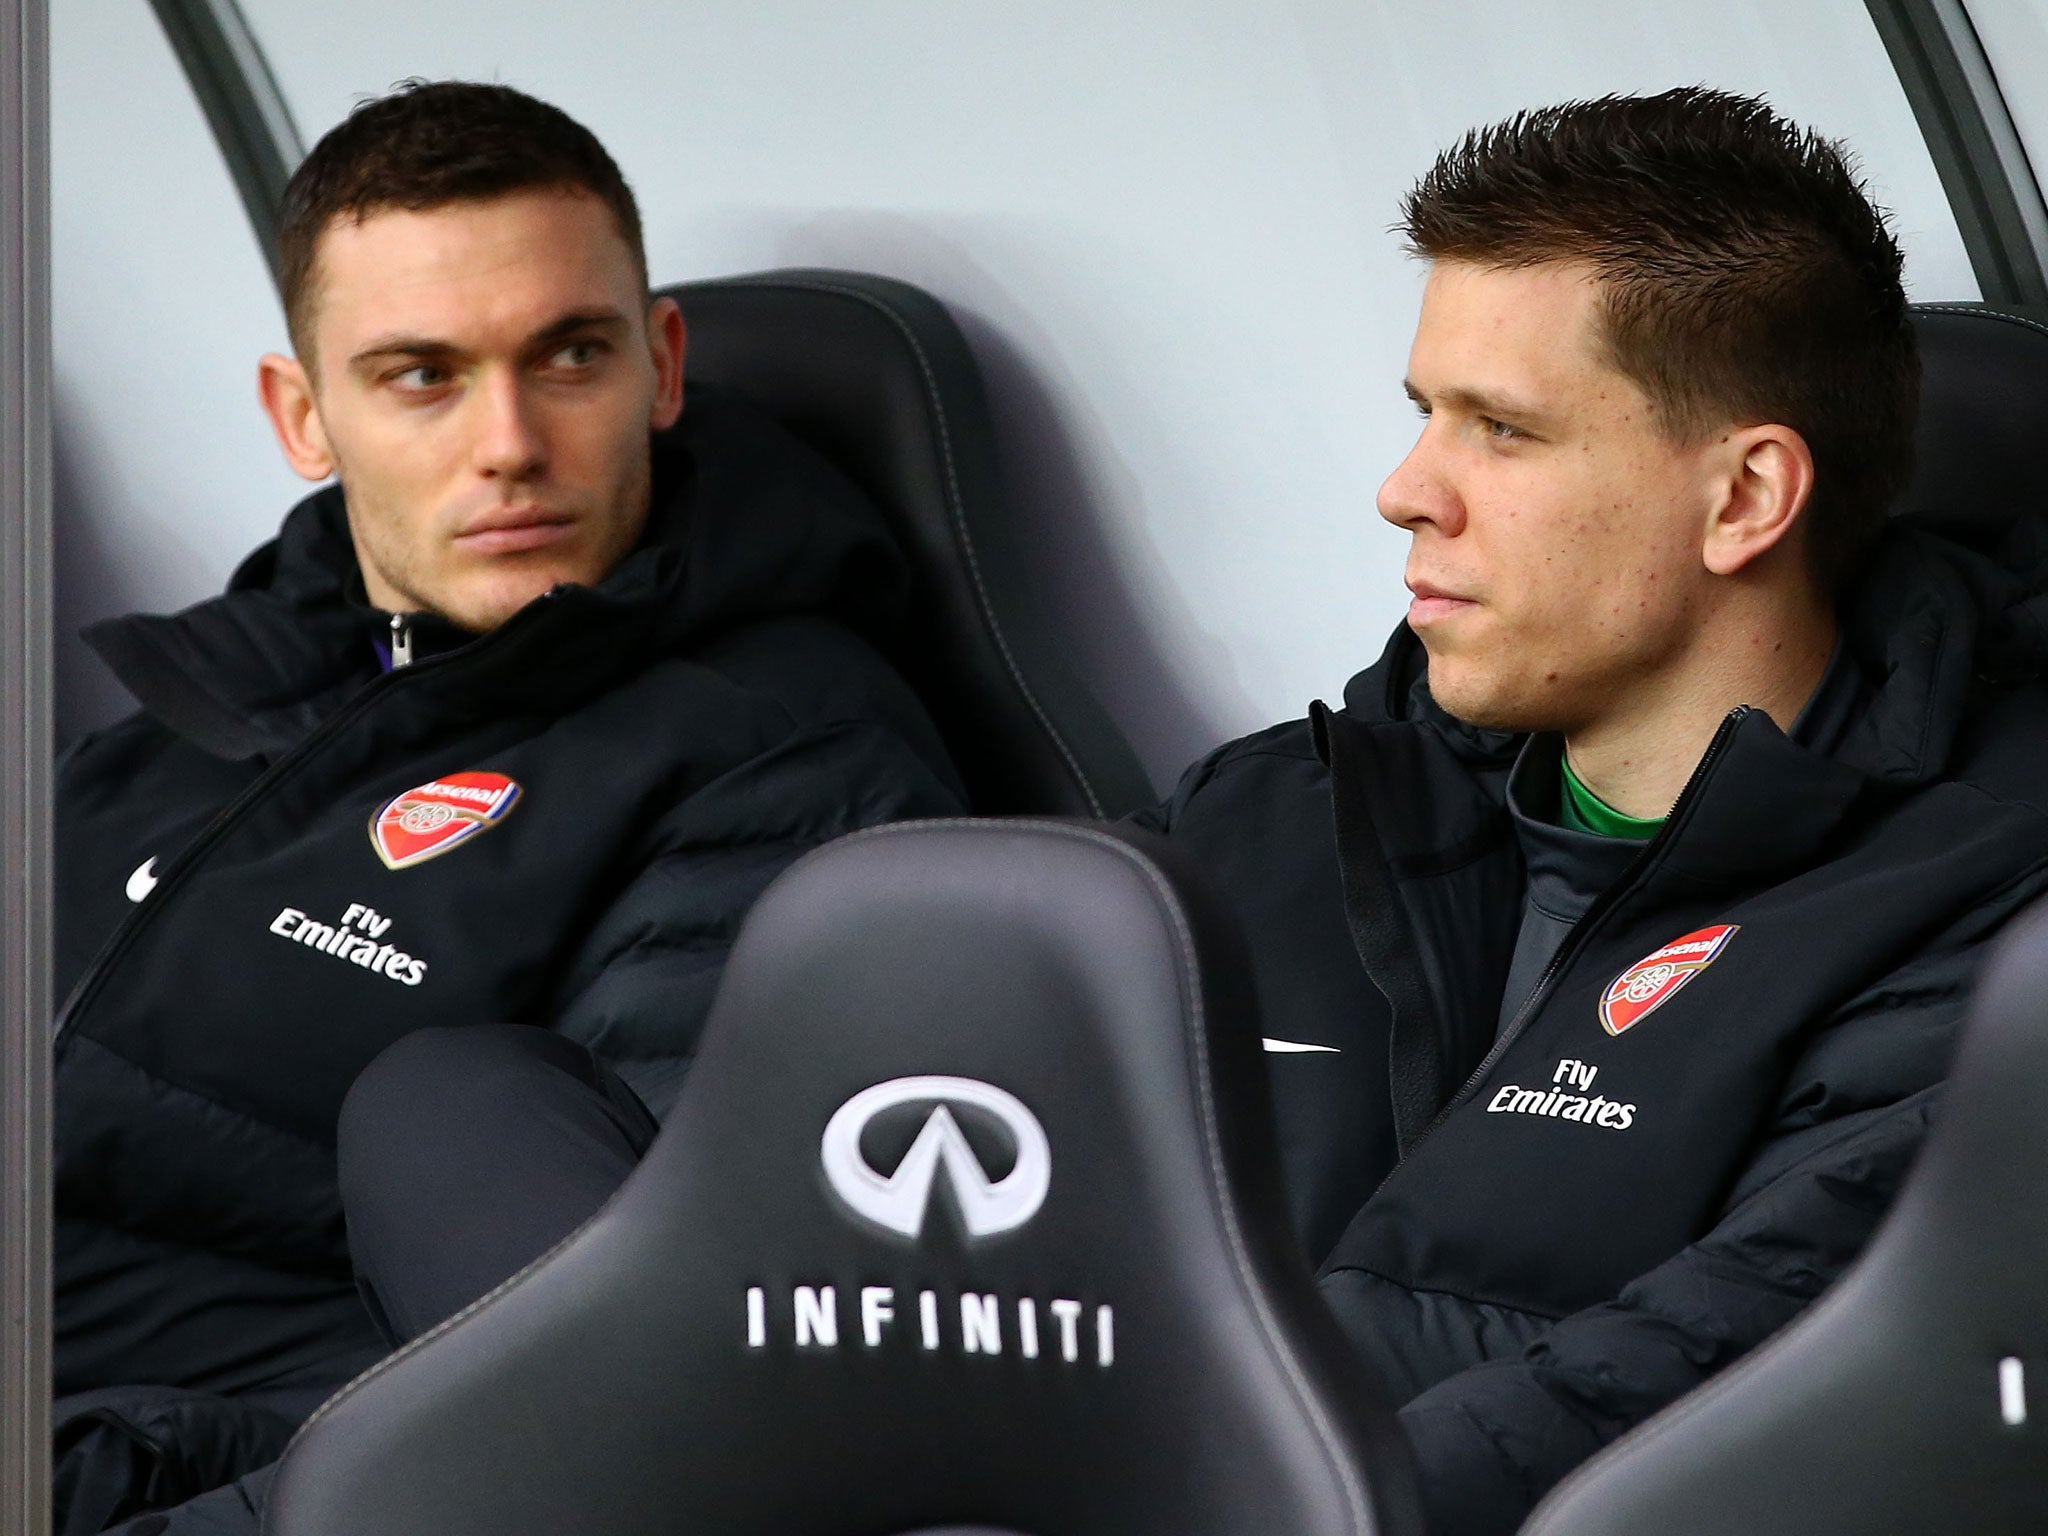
[[1276, 1338], [1965, 309], [412, 1346], [956, 506]]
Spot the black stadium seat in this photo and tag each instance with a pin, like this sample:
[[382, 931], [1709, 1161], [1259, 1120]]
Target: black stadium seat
[[875, 375], [1983, 419], [1073, 1310]]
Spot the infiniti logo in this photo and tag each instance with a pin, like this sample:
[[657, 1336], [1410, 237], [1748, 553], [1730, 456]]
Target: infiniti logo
[[826, 1315], [898, 1200]]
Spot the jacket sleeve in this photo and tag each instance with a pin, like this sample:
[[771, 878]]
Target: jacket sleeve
[[1492, 1439], [642, 984]]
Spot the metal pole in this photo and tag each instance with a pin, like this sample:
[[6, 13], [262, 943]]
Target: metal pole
[[25, 744], [251, 122], [1976, 150]]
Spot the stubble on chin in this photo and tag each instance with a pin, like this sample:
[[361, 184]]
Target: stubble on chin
[[1467, 705], [1481, 698], [485, 613]]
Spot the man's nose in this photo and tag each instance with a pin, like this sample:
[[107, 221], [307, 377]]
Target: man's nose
[[509, 444], [1419, 492]]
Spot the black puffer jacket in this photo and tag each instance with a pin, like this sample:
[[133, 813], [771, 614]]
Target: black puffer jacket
[[677, 735], [1694, 1124]]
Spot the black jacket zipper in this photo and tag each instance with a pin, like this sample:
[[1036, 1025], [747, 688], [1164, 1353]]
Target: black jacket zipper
[[190, 856], [1582, 930]]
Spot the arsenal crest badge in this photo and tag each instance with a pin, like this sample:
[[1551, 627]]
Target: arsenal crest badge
[[1655, 979], [425, 822]]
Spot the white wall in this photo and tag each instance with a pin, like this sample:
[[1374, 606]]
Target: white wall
[[165, 473], [1163, 223]]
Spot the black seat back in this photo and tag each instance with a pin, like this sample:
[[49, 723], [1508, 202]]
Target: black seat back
[[1068, 1306], [1983, 419], [1913, 1398], [875, 375]]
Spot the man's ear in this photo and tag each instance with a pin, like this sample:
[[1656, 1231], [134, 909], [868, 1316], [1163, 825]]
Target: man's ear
[[1769, 480], [665, 338], [287, 396]]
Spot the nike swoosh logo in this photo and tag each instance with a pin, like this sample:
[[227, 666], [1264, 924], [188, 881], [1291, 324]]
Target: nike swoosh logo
[[143, 881], [1297, 1047]]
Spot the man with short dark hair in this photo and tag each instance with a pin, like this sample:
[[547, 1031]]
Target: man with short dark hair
[[1615, 934], [507, 728]]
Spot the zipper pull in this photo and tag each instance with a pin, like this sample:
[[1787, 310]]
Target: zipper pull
[[401, 641]]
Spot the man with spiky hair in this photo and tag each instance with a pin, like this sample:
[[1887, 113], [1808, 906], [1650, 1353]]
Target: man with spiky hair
[[494, 745], [1615, 934]]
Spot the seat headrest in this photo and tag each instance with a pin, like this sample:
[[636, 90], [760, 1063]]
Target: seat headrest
[[1983, 419], [875, 375], [968, 1214]]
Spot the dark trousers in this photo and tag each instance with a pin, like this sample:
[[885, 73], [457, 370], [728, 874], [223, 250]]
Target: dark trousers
[[465, 1154]]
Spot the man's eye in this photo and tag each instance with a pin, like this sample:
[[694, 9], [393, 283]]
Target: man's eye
[[420, 376], [1500, 431], [577, 354]]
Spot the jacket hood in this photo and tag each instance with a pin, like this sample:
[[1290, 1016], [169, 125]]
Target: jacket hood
[[745, 523], [1931, 620]]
